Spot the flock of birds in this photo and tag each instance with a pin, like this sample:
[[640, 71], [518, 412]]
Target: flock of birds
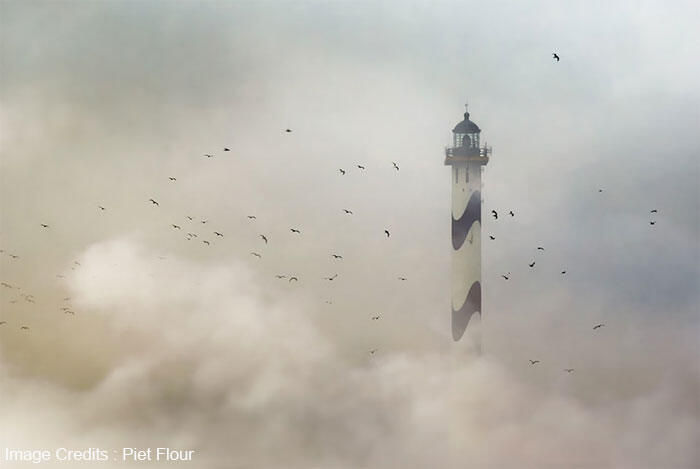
[[192, 235]]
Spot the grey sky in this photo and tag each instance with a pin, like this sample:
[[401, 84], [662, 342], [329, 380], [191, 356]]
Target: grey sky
[[102, 102]]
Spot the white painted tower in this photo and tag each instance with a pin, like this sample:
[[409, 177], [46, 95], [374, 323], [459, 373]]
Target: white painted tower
[[466, 157]]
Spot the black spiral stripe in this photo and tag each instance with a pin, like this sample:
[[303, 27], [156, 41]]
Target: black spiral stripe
[[461, 318], [461, 227]]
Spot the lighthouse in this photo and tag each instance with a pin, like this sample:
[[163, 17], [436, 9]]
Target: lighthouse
[[466, 157]]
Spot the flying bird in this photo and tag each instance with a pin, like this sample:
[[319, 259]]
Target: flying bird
[[220, 235], [555, 56], [208, 156], [347, 211], [14, 256], [330, 278], [540, 248], [189, 218], [153, 202], [227, 149], [492, 238], [495, 214], [294, 230], [396, 167], [374, 318], [68, 311], [402, 278], [534, 362], [533, 264], [652, 223], [101, 207], [598, 326], [204, 221], [293, 278], [336, 256], [192, 235], [288, 130], [563, 272], [256, 254], [511, 213], [264, 238], [654, 211], [386, 232], [600, 190], [506, 276], [360, 166], [26, 328], [280, 276], [251, 217], [568, 370], [43, 225], [371, 352], [206, 242], [172, 179], [177, 227], [342, 171]]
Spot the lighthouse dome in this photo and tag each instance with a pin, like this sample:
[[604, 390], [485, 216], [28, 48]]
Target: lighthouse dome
[[466, 126]]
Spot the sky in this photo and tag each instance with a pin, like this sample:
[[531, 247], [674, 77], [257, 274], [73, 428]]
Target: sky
[[171, 342]]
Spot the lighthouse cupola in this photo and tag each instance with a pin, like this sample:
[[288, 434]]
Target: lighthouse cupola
[[466, 135]]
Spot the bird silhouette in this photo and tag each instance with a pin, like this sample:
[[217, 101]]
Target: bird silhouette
[[101, 207], [189, 218], [347, 211], [206, 242], [652, 223], [360, 166], [506, 276], [177, 227], [598, 326], [563, 272], [153, 202], [540, 248], [255, 254], [495, 214], [280, 276], [330, 278], [43, 225], [217, 233], [336, 256], [14, 256], [654, 211], [373, 351], [252, 217], [227, 149], [294, 230], [511, 213], [600, 190], [403, 279], [264, 238], [534, 362], [375, 318], [192, 235], [25, 328], [293, 278], [396, 167], [342, 171], [555, 56], [533, 264], [288, 130], [172, 179], [568, 370], [386, 232], [208, 155], [492, 238], [204, 221], [68, 311]]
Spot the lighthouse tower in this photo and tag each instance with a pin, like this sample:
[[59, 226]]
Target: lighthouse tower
[[466, 157]]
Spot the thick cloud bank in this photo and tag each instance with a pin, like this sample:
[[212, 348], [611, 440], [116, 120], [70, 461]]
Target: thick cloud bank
[[196, 358]]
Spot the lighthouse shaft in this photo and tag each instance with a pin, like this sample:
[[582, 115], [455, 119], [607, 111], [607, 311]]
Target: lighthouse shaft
[[466, 158]]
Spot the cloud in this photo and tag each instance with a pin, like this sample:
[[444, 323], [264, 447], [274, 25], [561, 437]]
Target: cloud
[[205, 362]]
